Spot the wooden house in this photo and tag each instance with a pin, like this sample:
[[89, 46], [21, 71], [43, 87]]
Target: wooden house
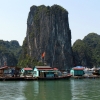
[[2, 70], [7, 71], [77, 71], [44, 71]]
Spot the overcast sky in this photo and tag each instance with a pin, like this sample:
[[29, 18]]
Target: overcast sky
[[84, 17]]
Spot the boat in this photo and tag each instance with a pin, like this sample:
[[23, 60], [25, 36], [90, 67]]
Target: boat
[[55, 78]]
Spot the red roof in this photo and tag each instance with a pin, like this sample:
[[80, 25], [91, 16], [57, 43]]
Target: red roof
[[55, 68], [28, 69], [78, 68], [44, 69]]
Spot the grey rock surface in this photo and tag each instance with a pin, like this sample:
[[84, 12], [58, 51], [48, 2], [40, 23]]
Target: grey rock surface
[[48, 31]]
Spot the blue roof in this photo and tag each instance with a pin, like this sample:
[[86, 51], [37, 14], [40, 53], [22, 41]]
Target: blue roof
[[79, 66]]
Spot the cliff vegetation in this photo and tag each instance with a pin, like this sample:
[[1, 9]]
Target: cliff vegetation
[[86, 52], [9, 52]]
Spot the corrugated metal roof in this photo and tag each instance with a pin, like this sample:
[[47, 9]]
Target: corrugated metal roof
[[27, 68], [4, 67], [45, 68], [42, 67]]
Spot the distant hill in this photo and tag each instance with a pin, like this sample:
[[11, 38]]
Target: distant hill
[[9, 52], [86, 52]]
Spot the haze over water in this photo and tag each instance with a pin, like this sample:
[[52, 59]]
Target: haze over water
[[85, 89]]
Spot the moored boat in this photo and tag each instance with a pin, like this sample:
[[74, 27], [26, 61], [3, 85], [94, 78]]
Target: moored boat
[[55, 78]]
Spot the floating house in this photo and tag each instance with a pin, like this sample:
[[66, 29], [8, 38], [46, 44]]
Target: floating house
[[44, 71], [92, 71], [96, 71], [7, 71], [27, 71], [2, 70], [77, 71]]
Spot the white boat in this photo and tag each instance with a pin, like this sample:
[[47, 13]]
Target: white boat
[[88, 72]]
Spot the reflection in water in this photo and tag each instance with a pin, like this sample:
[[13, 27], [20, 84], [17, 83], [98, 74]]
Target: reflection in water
[[82, 89], [48, 90], [31, 90], [36, 88], [57, 90], [86, 89], [12, 90]]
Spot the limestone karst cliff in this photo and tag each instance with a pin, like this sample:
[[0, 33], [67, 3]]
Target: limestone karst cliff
[[9, 53], [86, 52], [48, 31]]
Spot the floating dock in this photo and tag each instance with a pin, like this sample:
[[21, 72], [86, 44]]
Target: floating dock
[[17, 78], [33, 78], [83, 77]]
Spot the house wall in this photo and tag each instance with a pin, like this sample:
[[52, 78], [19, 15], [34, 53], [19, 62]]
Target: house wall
[[8, 72], [49, 74], [1, 72], [26, 72], [36, 72], [72, 72], [77, 72], [22, 71]]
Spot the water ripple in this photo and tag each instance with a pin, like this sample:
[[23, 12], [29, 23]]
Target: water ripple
[[12, 91]]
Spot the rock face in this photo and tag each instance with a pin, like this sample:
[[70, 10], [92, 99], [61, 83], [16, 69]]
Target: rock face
[[9, 53], [48, 31], [7, 59]]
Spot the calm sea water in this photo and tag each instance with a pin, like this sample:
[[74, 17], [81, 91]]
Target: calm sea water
[[78, 89]]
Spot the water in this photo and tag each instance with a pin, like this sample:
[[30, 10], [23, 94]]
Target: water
[[78, 89]]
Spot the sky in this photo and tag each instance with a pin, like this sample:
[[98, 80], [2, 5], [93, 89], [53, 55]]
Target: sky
[[84, 17]]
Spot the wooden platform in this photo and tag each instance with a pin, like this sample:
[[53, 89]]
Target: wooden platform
[[32, 78]]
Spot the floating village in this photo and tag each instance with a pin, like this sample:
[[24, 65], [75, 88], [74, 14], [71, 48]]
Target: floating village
[[46, 73]]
